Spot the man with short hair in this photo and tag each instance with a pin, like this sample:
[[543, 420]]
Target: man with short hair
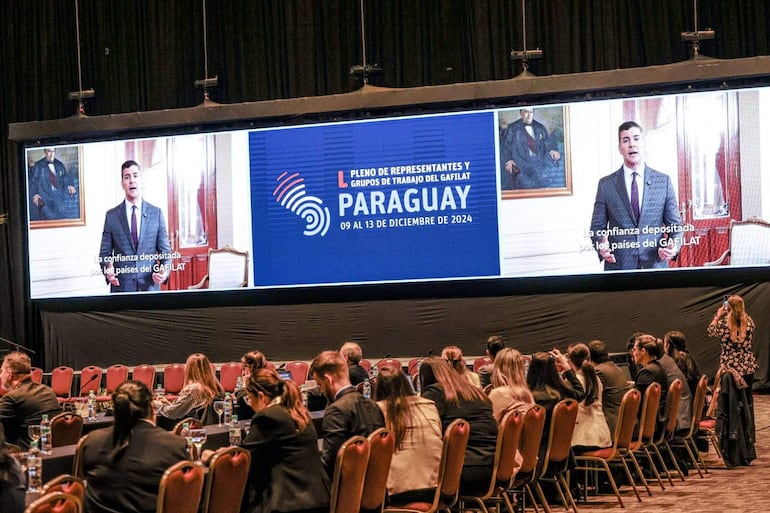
[[614, 381], [348, 413], [495, 344], [353, 355], [25, 401]]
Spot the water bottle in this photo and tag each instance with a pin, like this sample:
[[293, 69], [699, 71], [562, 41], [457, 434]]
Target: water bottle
[[374, 372], [228, 413], [303, 391], [239, 383], [185, 433], [235, 432], [34, 468], [46, 443], [91, 405], [368, 389], [159, 391]]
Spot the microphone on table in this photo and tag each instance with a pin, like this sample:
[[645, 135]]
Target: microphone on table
[[90, 380]]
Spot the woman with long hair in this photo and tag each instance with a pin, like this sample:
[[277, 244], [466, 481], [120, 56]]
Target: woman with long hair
[[12, 481], [250, 363], [675, 345], [735, 330], [454, 356], [123, 464], [591, 428], [548, 387], [200, 388], [416, 424], [456, 398], [286, 472], [510, 390]]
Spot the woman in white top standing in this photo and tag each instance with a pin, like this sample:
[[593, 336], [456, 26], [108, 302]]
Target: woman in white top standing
[[591, 428]]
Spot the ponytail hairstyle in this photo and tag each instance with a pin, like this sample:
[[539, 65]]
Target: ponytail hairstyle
[[253, 360], [132, 402], [580, 356], [454, 356], [271, 385]]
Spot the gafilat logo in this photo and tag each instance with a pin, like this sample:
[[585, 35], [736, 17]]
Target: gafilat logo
[[291, 195]]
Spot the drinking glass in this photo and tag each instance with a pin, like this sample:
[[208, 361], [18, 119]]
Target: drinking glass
[[198, 438], [34, 431], [219, 407]]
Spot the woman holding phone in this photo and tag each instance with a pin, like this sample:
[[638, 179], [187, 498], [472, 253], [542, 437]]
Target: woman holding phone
[[735, 330]]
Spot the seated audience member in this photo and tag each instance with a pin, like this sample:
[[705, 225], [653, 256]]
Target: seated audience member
[[353, 355], [286, 473], [510, 392], [673, 372], [675, 345], [201, 388], [123, 464], [415, 422], [250, 363], [632, 367], [12, 481], [548, 387], [649, 369], [455, 399], [614, 382], [25, 401], [495, 344], [591, 428], [348, 412], [454, 356]]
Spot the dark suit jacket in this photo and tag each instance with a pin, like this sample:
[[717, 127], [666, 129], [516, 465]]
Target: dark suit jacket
[[133, 271], [129, 485], [286, 472], [615, 387], [612, 210], [357, 374], [652, 373], [673, 372], [24, 406], [56, 203], [350, 414]]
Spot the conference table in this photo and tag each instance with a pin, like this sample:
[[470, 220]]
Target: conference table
[[61, 459]]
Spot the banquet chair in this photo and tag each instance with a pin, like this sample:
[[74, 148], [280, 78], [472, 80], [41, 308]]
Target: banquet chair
[[145, 374], [298, 371], [228, 375], [180, 489], [61, 382], [531, 435], [115, 375], [624, 432], [673, 399], [382, 444], [90, 379], [226, 480], [36, 373], [173, 379], [687, 440], [557, 455], [77, 461], [66, 483], [449, 471], [349, 474], [366, 364], [228, 268], [413, 366], [193, 424], [55, 502], [66, 429], [646, 436], [503, 467], [480, 362], [389, 362]]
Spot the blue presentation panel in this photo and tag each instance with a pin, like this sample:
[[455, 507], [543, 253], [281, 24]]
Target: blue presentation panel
[[375, 201]]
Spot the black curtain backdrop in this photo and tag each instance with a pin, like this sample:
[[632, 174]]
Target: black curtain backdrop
[[143, 55]]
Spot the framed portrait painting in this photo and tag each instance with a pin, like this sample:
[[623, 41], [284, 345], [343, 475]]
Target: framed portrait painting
[[55, 187], [534, 152]]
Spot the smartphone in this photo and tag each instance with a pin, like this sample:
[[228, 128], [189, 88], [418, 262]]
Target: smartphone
[[725, 303]]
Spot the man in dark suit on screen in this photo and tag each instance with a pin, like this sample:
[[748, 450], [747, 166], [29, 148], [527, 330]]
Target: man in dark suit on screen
[[135, 254], [636, 222]]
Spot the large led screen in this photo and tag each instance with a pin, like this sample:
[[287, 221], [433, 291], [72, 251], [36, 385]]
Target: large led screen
[[652, 184]]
